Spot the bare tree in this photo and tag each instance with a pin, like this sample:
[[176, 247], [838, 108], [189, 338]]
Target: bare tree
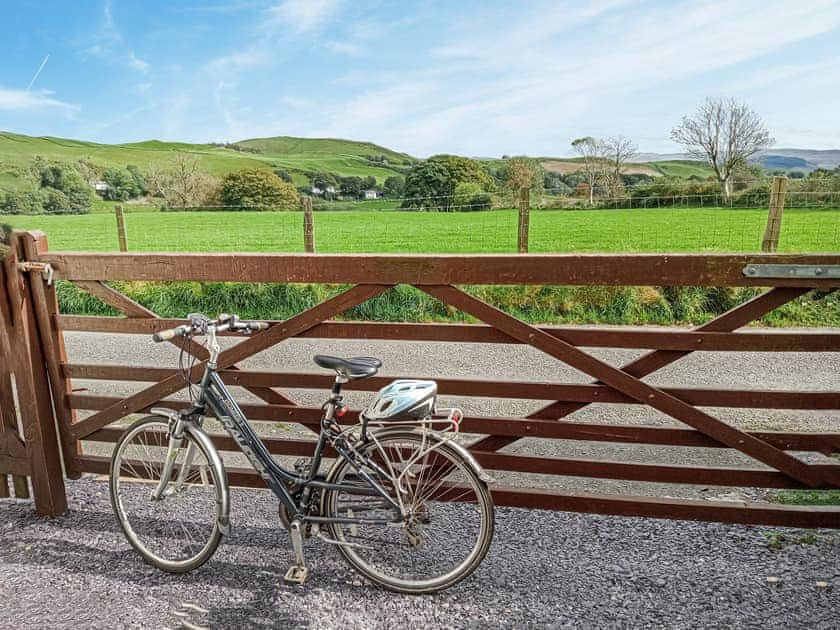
[[618, 150], [182, 183], [726, 134], [593, 153]]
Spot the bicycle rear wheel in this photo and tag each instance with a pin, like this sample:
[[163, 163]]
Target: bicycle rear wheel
[[174, 523], [448, 519]]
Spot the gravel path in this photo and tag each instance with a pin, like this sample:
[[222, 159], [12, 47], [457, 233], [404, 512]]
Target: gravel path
[[544, 570]]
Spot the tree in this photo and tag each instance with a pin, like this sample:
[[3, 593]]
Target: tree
[[122, 185], [182, 184], [351, 186], [593, 153], [726, 134], [140, 186], [258, 188], [618, 150], [368, 183], [325, 181], [431, 183], [394, 186], [56, 202], [22, 202], [283, 174], [523, 172]]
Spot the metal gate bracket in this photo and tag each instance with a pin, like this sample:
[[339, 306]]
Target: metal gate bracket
[[792, 271], [46, 269]]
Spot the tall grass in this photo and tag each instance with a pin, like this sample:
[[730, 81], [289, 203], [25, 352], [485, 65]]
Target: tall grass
[[535, 304]]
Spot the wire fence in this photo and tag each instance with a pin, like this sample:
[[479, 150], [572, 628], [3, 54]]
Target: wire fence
[[628, 220]]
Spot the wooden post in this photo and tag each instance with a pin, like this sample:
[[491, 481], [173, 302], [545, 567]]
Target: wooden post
[[45, 307], [121, 228], [21, 487], [308, 225], [524, 219], [34, 396], [774, 216]]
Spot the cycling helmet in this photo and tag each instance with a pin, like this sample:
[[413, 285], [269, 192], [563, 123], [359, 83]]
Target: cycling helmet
[[403, 400]]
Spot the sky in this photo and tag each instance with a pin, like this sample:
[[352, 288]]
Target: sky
[[477, 78]]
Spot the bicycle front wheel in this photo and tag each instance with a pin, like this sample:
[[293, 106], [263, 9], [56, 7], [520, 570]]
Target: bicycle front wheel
[[170, 514], [444, 527]]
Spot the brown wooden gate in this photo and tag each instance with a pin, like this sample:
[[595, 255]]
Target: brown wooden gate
[[25, 401], [775, 452]]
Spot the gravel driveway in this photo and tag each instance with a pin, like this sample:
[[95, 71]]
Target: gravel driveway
[[544, 570]]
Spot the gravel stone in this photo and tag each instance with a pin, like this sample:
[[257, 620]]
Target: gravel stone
[[544, 570]]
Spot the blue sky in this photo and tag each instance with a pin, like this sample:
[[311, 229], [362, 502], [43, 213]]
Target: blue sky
[[468, 77]]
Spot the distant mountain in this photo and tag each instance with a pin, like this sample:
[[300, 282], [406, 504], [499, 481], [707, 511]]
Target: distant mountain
[[772, 159]]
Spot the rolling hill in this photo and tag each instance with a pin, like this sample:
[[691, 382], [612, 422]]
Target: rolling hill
[[296, 155]]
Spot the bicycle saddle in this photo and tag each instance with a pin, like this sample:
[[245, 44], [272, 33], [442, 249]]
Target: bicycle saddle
[[354, 368]]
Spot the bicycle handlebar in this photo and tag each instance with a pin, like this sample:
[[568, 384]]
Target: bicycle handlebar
[[198, 325]]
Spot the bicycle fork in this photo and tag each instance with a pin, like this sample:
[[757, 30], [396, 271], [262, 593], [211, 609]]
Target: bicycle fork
[[175, 445]]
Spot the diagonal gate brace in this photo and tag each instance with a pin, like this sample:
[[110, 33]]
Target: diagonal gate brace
[[628, 384]]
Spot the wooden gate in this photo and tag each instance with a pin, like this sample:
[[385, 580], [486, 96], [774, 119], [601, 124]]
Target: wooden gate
[[779, 464], [28, 441]]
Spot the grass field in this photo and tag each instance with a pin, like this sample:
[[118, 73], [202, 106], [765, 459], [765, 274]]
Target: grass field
[[296, 155], [683, 168], [344, 157], [669, 230]]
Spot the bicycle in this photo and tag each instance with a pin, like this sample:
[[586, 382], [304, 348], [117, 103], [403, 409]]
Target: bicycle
[[406, 505]]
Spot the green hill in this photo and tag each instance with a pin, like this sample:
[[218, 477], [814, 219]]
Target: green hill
[[297, 155]]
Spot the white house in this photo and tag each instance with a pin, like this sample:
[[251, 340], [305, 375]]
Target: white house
[[100, 187], [317, 191], [371, 194]]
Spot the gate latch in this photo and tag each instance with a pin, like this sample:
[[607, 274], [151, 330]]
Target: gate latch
[[46, 269], [792, 271]]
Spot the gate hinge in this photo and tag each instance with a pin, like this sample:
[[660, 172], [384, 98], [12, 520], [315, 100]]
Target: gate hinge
[[792, 271], [46, 269]]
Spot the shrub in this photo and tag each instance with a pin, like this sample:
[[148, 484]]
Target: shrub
[[22, 202], [258, 188]]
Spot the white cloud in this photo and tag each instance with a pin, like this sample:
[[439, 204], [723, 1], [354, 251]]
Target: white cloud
[[137, 64], [109, 44], [344, 48], [303, 15], [532, 78], [23, 100]]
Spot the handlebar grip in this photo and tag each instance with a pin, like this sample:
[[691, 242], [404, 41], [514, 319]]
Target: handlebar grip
[[166, 335], [258, 325]]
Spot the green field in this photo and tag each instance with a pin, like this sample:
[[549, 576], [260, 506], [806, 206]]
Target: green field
[[666, 230], [296, 155], [683, 168]]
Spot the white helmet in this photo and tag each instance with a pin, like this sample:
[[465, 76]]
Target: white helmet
[[403, 400]]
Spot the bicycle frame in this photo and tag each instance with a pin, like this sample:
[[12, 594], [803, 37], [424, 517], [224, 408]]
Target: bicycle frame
[[215, 396]]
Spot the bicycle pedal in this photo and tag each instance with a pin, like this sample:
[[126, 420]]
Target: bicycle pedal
[[296, 575]]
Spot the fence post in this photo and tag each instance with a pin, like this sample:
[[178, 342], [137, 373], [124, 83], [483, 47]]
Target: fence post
[[45, 308], [524, 219], [774, 215], [121, 228], [10, 443], [308, 225], [34, 397]]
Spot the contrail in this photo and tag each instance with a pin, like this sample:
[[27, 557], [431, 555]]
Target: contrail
[[41, 67]]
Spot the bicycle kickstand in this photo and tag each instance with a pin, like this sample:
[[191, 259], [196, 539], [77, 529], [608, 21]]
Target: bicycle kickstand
[[298, 572]]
